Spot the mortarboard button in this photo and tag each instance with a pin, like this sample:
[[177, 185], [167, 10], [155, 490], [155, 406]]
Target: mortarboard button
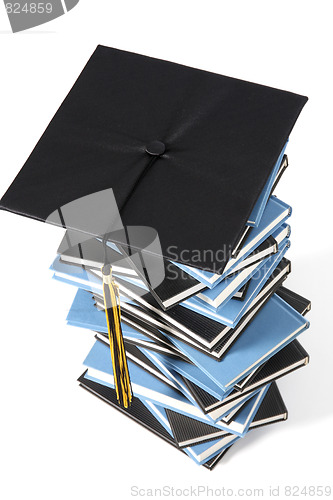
[[155, 148]]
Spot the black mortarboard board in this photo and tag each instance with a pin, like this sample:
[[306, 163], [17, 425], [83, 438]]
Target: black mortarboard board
[[186, 152]]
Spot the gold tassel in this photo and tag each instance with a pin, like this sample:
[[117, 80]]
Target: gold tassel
[[118, 355]]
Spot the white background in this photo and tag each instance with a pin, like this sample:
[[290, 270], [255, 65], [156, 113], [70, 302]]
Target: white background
[[57, 441]]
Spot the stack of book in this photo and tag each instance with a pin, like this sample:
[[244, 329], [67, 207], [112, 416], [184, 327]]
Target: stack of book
[[167, 173], [204, 350]]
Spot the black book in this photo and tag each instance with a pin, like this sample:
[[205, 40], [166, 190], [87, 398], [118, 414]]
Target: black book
[[137, 411], [267, 410], [189, 432], [289, 359], [210, 404], [243, 383], [142, 320], [273, 283], [156, 341], [301, 304], [212, 462], [268, 247], [282, 169], [178, 321], [241, 293], [176, 285], [272, 409], [204, 333]]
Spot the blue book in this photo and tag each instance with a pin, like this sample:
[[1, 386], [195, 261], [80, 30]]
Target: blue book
[[239, 423], [239, 419], [173, 376], [274, 326], [189, 432], [275, 214], [217, 411], [145, 385], [75, 275], [230, 312], [193, 373], [80, 280], [83, 314], [261, 202], [90, 280], [187, 370]]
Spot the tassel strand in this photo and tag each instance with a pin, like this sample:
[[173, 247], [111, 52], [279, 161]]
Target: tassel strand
[[118, 355]]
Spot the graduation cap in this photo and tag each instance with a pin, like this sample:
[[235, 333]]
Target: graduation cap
[[184, 152]]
